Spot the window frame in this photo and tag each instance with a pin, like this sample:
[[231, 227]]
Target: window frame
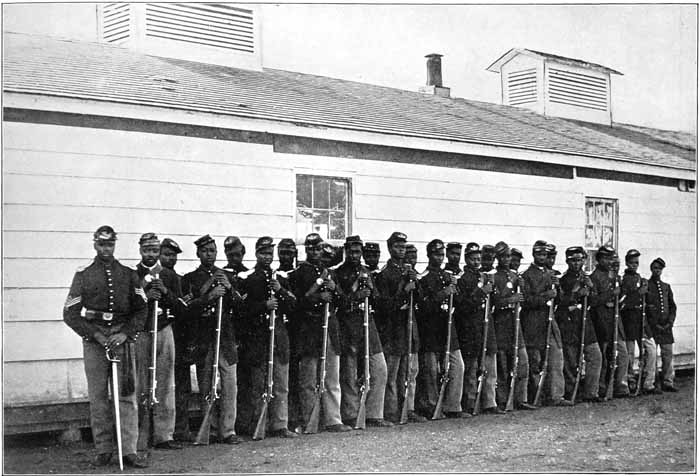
[[590, 261], [347, 177]]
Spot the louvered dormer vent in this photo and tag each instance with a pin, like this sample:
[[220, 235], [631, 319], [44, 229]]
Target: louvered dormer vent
[[577, 89], [522, 87], [217, 33]]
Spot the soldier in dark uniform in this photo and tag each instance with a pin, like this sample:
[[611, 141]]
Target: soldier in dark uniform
[[539, 290], [395, 282], [264, 294], [354, 284], [472, 289], [331, 256], [453, 255], [235, 251], [505, 298], [169, 249], [434, 288], [313, 286], [106, 307], [370, 254], [574, 286], [411, 256], [488, 256], [157, 418], [633, 288], [206, 284], [661, 312], [516, 257], [602, 304]]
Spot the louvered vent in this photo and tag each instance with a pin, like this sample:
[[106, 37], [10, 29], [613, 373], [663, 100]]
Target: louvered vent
[[219, 25], [577, 89], [116, 22], [522, 87]]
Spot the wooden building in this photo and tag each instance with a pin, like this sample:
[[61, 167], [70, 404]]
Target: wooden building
[[98, 133]]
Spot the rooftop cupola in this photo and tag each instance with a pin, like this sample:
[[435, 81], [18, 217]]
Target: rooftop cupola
[[216, 33], [555, 85]]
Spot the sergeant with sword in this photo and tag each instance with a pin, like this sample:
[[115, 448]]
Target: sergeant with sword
[[106, 307], [264, 350], [155, 349], [211, 318]]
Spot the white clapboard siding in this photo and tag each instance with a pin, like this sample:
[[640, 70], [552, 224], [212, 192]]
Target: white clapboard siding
[[662, 221], [43, 382], [156, 171], [133, 144], [180, 225], [47, 340], [21, 189], [479, 193], [38, 304], [656, 241]]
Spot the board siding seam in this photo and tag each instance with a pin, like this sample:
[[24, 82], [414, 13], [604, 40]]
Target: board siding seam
[[488, 202], [469, 223]]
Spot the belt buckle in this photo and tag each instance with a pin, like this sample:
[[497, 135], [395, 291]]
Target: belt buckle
[[107, 316]]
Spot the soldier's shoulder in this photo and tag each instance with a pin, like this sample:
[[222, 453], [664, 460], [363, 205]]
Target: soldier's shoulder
[[246, 274], [84, 267]]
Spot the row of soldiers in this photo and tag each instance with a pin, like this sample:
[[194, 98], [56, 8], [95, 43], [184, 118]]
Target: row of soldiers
[[361, 344]]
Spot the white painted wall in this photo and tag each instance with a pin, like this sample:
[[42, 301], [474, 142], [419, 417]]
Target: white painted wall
[[61, 183]]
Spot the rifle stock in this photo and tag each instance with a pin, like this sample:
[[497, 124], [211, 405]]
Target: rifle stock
[[360, 422], [444, 380], [545, 364], [213, 395], [403, 419], [482, 363], [154, 353], [581, 371], [261, 426], [613, 364], [516, 357], [643, 354], [314, 418]]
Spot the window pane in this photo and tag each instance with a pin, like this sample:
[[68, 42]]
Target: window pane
[[590, 237], [338, 225], [590, 213], [607, 238], [304, 191], [304, 222], [321, 192], [339, 190], [609, 215], [321, 223]]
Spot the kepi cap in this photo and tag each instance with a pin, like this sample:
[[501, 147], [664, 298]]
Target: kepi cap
[[354, 240], [204, 240], [488, 250], [516, 252], [435, 245], [264, 242], [471, 249], [395, 238], [286, 244], [313, 239], [104, 233], [232, 242], [574, 250], [501, 248], [148, 239], [605, 251], [539, 246], [169, 243], [659, 261], [411, 248], [551, 249], [632, 254], [370, 247]]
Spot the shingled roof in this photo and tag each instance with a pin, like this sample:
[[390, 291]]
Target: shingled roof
[[76, 69]]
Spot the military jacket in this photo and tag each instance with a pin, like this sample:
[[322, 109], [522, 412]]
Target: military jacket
[[602, 306], [631, 308], [254, 325], [432, 312], [106, 288], [535, 314], [505, 283], [469, 315], [169, 306], [307, 320], [351, 314], [569, 312], [661, 311], [392, 310], [202, 315]]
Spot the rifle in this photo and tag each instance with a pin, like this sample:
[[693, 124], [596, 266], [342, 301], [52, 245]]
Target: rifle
[[444, 379], [312, 425], [545, 364], [154, 353], [482, 363], [261, 426], [613, 365], [409, 332], [644, 355], [115, 399], [360, 423], [516, 357], [581, 358], [213, 395]]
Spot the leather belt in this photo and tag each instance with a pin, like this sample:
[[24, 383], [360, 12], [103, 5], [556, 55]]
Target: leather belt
[[103, 317]]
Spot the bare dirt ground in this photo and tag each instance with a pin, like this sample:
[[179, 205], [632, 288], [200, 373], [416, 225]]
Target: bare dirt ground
[[644, 434]]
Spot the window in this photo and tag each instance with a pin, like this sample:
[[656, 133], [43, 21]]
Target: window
[[601, 226], [323, 206]]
